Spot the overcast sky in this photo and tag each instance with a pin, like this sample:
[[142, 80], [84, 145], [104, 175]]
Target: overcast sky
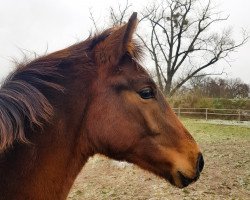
[[37, 26]]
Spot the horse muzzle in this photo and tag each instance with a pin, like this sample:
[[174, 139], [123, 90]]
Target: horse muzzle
[[184, 180]]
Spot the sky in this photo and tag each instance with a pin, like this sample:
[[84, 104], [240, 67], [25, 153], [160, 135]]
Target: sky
[[40, 26]]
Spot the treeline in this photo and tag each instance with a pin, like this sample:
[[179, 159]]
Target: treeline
[[192, 101], [218, 93], [209, 87]]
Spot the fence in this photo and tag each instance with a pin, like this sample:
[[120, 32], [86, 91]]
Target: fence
[[211, 113]]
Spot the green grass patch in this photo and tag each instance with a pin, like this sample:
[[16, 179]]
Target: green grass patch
[[205, 131]]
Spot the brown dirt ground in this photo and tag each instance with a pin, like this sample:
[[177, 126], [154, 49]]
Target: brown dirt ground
[[226, 176]]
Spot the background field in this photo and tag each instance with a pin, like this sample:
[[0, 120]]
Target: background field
[[226, 175]]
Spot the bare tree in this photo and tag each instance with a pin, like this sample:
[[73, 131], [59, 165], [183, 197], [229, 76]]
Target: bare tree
[[181, 39], [237, 89], [119, 15]]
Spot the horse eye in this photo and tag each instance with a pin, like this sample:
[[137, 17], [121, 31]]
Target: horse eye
[[147, 93]]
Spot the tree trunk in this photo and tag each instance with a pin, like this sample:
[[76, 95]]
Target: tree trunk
[[168, 85], [159, 81]]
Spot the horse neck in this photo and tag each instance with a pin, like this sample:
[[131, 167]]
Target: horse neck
[[47, 168]]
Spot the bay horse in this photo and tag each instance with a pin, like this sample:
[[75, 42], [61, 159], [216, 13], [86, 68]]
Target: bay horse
[[93, 97]]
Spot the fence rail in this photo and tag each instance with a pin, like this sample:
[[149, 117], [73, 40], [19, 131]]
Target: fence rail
[[211, 113]]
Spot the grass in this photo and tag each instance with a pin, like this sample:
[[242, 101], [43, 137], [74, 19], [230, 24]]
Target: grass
[[204, 131]]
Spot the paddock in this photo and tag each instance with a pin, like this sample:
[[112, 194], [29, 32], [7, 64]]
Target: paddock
[[226, 175]]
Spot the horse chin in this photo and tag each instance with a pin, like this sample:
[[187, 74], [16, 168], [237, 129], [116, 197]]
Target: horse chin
[[182, 181]]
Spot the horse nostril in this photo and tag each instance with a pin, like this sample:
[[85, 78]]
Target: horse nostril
[[200, 163]]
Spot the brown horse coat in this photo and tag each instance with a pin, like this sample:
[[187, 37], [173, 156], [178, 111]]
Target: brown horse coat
[[93, 97]]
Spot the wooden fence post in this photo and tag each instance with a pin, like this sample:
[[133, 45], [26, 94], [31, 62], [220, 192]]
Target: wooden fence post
[[239, 115], [179, 111], [206, 113]]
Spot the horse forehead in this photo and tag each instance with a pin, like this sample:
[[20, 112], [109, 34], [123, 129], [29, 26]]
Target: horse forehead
[[134, 77], [135, 71]]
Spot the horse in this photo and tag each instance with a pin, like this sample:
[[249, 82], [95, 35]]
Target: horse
[[93, 97]]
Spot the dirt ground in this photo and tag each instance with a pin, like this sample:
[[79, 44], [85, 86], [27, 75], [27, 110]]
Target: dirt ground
[[226, 174]]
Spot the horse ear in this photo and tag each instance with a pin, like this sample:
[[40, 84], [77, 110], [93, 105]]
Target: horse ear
[[110, 50]]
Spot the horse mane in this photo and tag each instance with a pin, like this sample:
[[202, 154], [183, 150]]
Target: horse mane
[[22, 102], [24, 96]]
